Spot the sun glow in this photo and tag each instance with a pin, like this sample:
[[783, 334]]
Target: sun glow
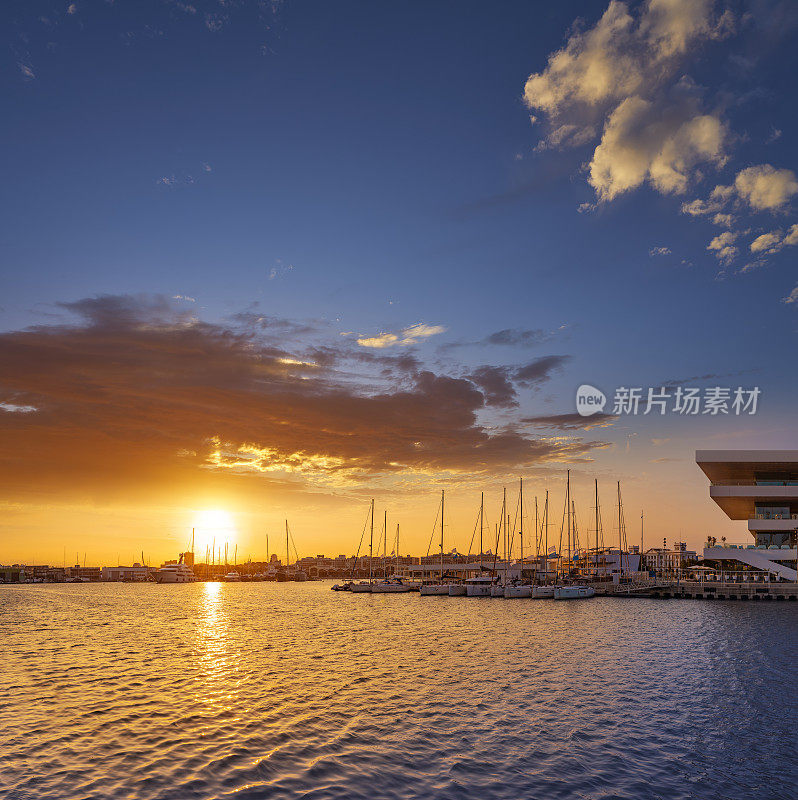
[[213, 527]]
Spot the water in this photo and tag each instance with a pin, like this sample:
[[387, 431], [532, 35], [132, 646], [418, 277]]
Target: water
[[290, 690]]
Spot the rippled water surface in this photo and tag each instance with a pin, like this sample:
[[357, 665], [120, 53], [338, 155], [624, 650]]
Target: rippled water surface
[[291, 690]]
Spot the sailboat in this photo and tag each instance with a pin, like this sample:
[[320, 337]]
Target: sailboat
[[439, 588], [393, 585], [479, 585], [520, 589], [571, 591], [365, 586], [497, 589], [544, 591]]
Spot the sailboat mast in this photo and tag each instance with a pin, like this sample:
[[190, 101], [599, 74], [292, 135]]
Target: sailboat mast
[[504, 525], [521, 533], [641, 539], [371, 540], [481, 512], [537, 543], [385, 545], [568, 512], [597, 525], [442, 501], [546, 543], [620, 535], [287, 555], [396, 571]]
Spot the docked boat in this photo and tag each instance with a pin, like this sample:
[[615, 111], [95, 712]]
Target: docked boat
[[457, 590], [573, 592], [497, 590], [429, 589], [363, 586], [542, 592], [391, 586], [479, 586], [517, 590], [175, 573], [439, 588], [342, 587], [299, 575], [232, 577]]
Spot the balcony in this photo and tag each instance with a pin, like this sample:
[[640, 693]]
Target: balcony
[[763, 523], [738, 499]]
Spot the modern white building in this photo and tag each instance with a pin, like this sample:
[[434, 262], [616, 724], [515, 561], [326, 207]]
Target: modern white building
[[135, 573], [760, 487]]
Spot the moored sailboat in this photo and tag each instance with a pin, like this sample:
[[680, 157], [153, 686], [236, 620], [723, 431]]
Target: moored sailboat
[[439, 588]]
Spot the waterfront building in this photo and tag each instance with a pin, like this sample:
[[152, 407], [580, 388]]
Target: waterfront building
[[135, 573], [761, 488], [664, 561]]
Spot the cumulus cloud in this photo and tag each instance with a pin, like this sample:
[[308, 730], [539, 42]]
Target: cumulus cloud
[[723, 247], [774, 241], [766, 243], [615, 78], [659, 251], [766, 188], [642, 142]]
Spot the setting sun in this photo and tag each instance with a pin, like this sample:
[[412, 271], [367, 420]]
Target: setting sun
[[213, 527]]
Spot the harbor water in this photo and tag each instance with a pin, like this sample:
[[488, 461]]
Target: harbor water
[[263, 690]]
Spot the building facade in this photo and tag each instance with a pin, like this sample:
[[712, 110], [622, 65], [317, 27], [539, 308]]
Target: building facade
[[761, 488]]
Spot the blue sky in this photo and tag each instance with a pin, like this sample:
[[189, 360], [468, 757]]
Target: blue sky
[[370, 167]]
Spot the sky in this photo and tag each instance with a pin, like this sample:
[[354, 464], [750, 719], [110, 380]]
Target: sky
[[268, 260]]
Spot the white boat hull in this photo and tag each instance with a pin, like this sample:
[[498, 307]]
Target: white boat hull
[[517, 591], [361, 587], [478, 590], [573, 592], [497, 590], [457, 590], [434, 589], [390, 588], [542, 592]]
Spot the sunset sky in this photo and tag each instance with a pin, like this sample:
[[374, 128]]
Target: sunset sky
[[267, 260]]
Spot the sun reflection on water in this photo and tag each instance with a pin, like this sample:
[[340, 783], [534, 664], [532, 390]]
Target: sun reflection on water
[[216, 657]]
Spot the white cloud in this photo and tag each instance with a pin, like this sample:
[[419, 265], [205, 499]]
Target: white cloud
[[624, 54], [644, 142], [420, 331], [767, 242], [766, 188], [72, 8], [792, 297], [13, 408], [774, 241], [724, 220], [378, 342], [659, 251], [723, 247], [27, 70], [408, 336]]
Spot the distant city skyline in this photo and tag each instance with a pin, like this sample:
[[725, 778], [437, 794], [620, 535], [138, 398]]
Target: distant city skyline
[[268, 261]]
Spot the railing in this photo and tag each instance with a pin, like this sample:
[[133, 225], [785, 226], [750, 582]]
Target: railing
[[755, 484]]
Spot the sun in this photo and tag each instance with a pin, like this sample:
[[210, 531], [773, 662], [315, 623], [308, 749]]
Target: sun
[[213, 526]]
